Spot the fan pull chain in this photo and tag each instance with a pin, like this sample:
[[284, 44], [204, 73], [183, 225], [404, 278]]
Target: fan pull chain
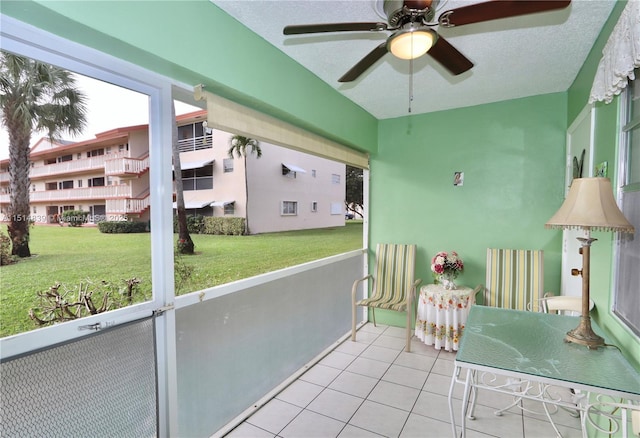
[[411, 77], [410, 83]]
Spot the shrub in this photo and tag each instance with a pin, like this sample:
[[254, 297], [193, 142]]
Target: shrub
[[61, 303], [195, 224], [75, 218], [122, 227], [230, 226], [5, 250]]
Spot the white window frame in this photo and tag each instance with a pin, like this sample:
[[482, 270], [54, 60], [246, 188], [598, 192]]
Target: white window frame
[[288, 211], [227, 164], [335, 178], [625, 184], [314, 206], [29, 41]]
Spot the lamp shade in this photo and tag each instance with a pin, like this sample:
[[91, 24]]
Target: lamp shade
[[590, 206], [411, 43]]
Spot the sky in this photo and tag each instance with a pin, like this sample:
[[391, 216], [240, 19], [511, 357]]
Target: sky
[[109, 107]]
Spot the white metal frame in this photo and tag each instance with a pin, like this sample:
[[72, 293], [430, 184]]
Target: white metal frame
[[26, 40]]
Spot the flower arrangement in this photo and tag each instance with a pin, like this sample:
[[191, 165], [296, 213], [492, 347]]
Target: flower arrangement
[[446, 265]]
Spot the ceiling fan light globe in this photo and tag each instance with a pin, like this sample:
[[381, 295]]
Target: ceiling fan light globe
[[412, 44]]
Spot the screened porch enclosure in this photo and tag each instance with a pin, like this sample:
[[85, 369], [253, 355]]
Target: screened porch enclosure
[[235, 345]]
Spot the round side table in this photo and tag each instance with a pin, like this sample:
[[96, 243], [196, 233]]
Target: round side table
[[442, 315]]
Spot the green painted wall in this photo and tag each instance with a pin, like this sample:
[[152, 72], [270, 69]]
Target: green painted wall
[[512, 156], [605, 149], [194, 41]]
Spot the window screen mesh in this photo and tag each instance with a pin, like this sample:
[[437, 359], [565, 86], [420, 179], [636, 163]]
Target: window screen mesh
[[99, 386]]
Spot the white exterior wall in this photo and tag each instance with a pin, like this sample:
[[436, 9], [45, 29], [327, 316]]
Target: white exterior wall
[[268, 188]]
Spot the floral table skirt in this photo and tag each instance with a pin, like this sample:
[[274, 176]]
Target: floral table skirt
[[442, 315]]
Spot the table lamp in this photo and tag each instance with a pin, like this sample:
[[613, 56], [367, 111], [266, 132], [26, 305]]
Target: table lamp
[[589, 206]]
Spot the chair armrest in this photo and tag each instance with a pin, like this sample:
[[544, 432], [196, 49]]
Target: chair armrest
[[412, 292], [478, 289], [354, 288]]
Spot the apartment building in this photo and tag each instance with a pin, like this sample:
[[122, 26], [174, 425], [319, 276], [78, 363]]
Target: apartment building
[[108, 176]]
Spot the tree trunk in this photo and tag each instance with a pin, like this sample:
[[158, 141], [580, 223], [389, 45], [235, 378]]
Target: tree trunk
[[185, 244], [19, 209], [246, 198]]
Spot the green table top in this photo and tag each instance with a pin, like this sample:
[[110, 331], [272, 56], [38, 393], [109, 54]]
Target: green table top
[[532, 343]]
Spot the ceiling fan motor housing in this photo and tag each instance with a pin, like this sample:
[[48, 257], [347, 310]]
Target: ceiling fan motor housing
[[400, 12]]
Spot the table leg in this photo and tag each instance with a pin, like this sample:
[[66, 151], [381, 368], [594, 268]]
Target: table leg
[[454, 379], [465, 402]]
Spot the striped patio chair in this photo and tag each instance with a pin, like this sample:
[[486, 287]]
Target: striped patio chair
[[514, 279], [393, 286]]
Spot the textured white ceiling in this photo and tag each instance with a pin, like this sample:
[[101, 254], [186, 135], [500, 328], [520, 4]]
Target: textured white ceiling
[[514, 57]]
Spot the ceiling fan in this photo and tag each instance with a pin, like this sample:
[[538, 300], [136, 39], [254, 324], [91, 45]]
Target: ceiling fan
[[411, 21]]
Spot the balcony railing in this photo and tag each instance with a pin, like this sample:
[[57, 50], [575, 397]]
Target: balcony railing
[[70, 166], [125, 166], [195, 143], [123, 207], [104, 192]]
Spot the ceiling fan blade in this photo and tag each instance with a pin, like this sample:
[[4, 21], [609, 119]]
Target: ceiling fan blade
[[494, 9], [334, 27], [449, 57], [364, 63]]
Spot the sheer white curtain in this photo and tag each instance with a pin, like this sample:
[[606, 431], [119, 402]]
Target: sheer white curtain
[[620, 56]]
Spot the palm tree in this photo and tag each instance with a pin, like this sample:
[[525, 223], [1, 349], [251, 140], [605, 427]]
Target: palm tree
[[185, 243], [239, 144], [34, 96]]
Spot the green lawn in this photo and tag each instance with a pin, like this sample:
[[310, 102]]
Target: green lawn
[[71, 256]]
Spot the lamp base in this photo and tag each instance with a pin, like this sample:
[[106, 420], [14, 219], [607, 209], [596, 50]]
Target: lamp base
[[584, 335]]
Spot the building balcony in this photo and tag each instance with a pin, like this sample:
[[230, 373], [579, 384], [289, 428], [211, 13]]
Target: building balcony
[[195, 143], [124, 207], [125, 166], [70, 167], [79, 194]]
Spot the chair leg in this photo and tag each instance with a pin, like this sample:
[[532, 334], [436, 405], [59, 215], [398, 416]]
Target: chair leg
[[408, 348], [353, 321], [373, 313]]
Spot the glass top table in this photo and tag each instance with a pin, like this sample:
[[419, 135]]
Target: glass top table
[[531, 346]]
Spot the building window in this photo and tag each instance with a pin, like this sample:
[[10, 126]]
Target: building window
[[95, 153], [335, 178], [35, 210], [96, 182], [79, 183], [230, 208], [625, 304], [33, 187], [65, 158], [314, 207], [313, 173], [65, 185], [198, 179], [227, 163], [192, 137], [336, 208], [289, 208]]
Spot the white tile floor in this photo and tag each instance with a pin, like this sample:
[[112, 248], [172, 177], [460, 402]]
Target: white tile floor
[[373, 388]]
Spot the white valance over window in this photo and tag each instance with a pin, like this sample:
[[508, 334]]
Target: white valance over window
[[232, 117], [620, 56]]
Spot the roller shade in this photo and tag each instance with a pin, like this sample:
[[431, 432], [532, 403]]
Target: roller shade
[[232, 117]]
